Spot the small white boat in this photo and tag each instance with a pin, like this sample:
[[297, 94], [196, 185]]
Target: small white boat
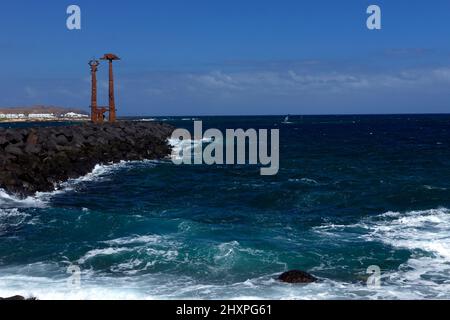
[[286, 120]]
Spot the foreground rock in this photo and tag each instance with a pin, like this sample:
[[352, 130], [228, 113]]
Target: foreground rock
[[16, 298], [38, 159], [297, 276]]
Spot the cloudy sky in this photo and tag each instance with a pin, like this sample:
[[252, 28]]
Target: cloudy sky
[[217, 57]]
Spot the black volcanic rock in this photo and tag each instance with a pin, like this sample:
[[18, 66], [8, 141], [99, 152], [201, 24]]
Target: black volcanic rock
[[297, 276], [35, 159], [15, 298], [14, 149]]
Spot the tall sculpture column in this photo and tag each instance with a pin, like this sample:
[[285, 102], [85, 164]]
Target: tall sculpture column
[[94, 111], [112, 104]]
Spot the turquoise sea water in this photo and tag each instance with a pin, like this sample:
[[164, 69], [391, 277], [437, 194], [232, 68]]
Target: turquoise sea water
[[352, 191]]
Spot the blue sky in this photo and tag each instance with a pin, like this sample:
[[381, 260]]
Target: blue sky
[[217, 57]]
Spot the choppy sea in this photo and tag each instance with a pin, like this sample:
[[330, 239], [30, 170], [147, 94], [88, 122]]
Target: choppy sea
[[352, 192]]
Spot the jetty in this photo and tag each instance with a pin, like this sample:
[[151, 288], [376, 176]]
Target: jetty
[[38, 159]]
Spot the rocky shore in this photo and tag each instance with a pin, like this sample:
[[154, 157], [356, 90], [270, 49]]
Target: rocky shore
[[38, 159]]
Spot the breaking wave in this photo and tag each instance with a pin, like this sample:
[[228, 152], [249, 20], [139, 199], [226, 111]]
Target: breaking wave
[[425, 234], [41, 199], [11, 201], [426, 274], [181, 147]]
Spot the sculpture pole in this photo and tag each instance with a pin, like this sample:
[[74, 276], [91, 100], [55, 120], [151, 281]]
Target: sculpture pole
[[112, 104], [94, 112]]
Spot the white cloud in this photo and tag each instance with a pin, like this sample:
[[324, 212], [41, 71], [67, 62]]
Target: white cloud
[[296, 82], [216, 80]]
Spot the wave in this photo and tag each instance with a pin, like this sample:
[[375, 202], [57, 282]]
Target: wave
[[305, 181], [11, 219], [434, 188], [31, 283], [145, 239], [167, 286], [42, 199], [181, 147], [134, 272], [425, 234], [166, 119], [147, 120], [102, 252], [427, 231], [11, 201]]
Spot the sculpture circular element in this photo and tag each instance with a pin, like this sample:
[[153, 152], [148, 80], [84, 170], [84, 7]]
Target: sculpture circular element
[[94, 63]]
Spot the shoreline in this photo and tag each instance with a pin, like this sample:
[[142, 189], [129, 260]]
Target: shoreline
[[44, 120], [38, 159]]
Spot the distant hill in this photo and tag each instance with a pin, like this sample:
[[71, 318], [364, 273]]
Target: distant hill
[[57, 111]]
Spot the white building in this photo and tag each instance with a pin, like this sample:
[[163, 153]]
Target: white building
[[41, 116], [12, 116], [75, 115]]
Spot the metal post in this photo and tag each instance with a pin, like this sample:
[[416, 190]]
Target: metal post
[[94, 112], [112, 104]]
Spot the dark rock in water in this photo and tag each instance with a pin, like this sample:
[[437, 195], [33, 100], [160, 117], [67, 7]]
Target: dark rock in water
[[297, 276], [18, 298], [15, 298], [35, 159]]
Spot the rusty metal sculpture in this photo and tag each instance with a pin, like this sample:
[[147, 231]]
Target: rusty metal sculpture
[[112, 104], [94, 109], [98, 113]]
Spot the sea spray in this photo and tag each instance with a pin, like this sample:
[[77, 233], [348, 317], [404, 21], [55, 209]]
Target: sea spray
[[238, 147]]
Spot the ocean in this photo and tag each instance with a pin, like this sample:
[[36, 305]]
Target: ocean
[[352, 192]]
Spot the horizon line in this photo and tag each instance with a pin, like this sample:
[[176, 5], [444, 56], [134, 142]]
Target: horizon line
[[291, 115]]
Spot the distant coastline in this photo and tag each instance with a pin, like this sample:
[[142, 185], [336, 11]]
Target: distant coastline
[[41, 114], [26, 120]]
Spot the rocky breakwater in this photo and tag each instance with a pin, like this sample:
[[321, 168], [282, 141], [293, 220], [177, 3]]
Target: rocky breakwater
[[38, 159]]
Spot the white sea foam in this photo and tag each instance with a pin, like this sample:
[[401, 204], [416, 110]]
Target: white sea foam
[[101, 172], [305, 181], [425, 234], [6, 213], [11, 201], [153, 248], [41, 199], [130, 267], [147, 120], [181, 147], [166, 286], [434, 188], [427, 231], [58, 289], [426, 274], [146, 239], [11, 218], [102, 252]]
